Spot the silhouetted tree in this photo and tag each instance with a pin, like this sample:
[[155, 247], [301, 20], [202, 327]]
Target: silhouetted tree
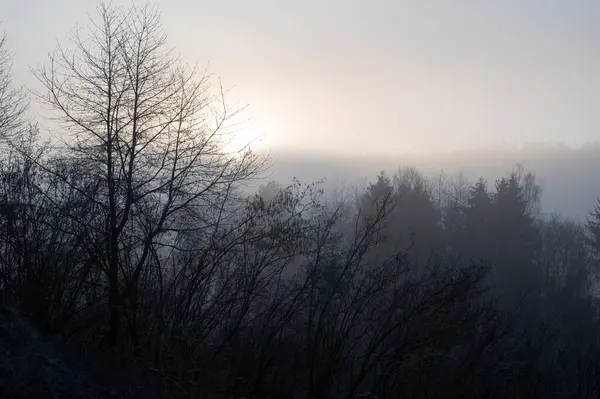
[[145, 128], [13, 101], [593, 226], [564, 257], [269, 191], [132, 224], [515, 242], [453, 216], [416, 215], [477, 233]]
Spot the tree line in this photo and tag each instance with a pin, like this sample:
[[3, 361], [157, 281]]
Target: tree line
[[129, 241]]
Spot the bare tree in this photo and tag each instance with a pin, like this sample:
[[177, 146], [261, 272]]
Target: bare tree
[[147, 130], [531, 190], [13, 102]]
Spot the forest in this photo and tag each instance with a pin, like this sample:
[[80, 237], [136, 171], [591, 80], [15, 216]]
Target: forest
[[135, 262]]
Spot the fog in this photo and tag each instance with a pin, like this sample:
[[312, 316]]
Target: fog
[[567, 175], [418, 217], [373, 77]]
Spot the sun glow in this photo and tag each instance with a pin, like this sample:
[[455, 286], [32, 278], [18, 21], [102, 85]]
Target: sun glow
[[247, 135]]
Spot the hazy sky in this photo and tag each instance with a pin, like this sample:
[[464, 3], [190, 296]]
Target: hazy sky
[[376, 76]]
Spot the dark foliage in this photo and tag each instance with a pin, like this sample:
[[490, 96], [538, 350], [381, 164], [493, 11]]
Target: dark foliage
[[134, 264]]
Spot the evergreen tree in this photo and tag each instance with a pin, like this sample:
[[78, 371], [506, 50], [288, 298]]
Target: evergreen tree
[[416, 217], [454, 216], [377, 200], [476, 235], [379, 190], [516, 240]]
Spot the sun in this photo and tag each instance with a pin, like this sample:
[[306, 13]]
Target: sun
[[247, 135]]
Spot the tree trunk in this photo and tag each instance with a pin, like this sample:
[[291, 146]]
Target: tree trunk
[[113, 296]]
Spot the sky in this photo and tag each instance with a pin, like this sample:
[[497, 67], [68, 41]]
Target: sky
[[374, 76]]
